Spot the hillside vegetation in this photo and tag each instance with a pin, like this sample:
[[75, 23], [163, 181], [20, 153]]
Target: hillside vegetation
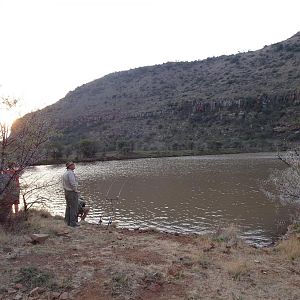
[[237, 103]]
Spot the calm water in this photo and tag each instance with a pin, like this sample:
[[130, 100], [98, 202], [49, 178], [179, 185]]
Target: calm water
[[187, 194]]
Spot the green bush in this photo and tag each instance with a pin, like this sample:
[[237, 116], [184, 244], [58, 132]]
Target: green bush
[[32, 277]]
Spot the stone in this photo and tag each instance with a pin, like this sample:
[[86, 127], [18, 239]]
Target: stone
[[38, 238], [34, 291], [19, 286], [62, 233], [11, 291]]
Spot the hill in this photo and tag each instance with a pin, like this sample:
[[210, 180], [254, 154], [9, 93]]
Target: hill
[[236, 103]]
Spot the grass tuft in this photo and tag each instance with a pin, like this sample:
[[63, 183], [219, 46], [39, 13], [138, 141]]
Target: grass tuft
[[153, 277], [10, 239], [203, 261], [290, 248], [4, 237], [120, 284], [227, 234], [236, 268]]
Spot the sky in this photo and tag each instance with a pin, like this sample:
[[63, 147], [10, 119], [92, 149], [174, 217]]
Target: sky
[[50, 47]]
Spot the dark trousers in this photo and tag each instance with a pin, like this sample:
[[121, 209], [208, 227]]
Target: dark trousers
[[71, 207]]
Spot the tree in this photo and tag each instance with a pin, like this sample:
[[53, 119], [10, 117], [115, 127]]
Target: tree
[[125, 147], [55, 150], [284, 185], [32, 191], [6, 104], [21, 144], [88, 148]]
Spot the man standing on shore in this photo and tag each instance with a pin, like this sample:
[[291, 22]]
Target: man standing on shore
[[70, 185]]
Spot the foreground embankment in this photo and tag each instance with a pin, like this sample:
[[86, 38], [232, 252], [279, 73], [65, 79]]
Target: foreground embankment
[[96, 262]]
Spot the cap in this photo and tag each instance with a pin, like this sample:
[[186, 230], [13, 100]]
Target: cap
[[69, 163]]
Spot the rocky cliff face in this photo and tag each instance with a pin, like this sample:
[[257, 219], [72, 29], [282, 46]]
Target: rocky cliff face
[[244, 102]]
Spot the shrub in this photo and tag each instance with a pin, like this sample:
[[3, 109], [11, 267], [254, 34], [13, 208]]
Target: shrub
[[32, 277]]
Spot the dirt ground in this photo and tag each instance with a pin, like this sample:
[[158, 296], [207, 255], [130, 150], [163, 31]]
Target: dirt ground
[[92, 262]]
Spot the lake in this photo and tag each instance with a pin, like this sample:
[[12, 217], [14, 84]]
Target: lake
[[183, 194]]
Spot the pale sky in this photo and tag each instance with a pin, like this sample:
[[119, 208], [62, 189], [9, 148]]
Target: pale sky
[[50, 47]]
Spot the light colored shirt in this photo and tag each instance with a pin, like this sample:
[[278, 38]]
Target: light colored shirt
[[70, 182]]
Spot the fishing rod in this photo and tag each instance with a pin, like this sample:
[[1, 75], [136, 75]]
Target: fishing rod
[[118, 195], [112, 201]]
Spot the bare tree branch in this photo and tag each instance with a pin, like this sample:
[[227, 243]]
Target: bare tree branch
[[21, 144], [32, 189], [284, 185]]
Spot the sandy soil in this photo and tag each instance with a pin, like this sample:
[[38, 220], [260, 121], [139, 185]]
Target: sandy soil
[[92, 262]]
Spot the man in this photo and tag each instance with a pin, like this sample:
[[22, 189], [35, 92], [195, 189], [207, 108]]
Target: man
[[70, 185], [6, 187], [14, 171]]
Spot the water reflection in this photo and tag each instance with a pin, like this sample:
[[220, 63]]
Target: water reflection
[[187, 194]]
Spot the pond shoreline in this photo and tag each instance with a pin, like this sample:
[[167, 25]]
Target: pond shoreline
[[181, 194], [96, 262]]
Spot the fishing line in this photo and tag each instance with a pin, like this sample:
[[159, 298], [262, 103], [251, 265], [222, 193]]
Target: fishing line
[[112, 201]]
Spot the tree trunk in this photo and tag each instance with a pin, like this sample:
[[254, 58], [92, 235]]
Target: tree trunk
[[7, 188]]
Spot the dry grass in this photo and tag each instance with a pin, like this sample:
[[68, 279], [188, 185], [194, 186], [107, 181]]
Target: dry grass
[[4, 237], [92, 262], [42, 222], [290, 248], [227, 234], [202, 260], [295, 226], [237, 268], [12, 235]]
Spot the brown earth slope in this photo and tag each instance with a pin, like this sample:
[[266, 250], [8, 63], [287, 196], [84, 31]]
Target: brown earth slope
[[92, 262]]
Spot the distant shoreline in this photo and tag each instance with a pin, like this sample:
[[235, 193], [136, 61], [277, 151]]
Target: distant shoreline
[[142, 155]]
